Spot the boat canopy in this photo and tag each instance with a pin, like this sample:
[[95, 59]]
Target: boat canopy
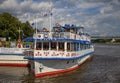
[[30, 39], [68, 26]]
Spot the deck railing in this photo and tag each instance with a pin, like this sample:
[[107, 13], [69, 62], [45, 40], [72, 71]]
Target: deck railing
[[55, 54], [61, 35]]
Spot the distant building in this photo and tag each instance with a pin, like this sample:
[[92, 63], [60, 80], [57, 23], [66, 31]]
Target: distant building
[[2, 39], [113, 40]]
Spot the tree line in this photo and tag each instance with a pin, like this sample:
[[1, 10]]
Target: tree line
[[10, 26]]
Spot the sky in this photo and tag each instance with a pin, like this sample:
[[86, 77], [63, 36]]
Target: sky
[[98, 17]]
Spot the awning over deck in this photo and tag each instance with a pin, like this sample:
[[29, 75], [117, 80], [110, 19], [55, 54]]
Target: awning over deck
[[30, 39]]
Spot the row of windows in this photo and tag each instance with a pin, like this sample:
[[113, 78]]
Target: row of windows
[[60, 46]]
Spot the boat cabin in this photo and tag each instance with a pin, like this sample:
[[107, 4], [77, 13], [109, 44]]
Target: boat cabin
[[62, 41]]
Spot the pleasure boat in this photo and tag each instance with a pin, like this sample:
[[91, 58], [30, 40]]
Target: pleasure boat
[[60, 50]]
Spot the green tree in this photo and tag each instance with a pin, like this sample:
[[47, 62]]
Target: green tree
[[27, 29], [9, 26]]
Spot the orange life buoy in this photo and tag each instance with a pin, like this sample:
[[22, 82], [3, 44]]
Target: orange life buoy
[[19, 45]]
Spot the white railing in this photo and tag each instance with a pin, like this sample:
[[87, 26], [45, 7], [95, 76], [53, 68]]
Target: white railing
[[5, 50], [69, 35], [55, 54]]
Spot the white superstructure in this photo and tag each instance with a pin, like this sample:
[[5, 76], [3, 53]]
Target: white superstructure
[[61, 50]]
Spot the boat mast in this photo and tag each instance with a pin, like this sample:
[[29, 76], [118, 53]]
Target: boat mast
[[19, 32], [35, 32], [50, 11]]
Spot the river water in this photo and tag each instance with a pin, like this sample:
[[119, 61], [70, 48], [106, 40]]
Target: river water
[[103, 68]]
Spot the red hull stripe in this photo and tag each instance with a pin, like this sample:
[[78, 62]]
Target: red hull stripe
[[55, 72], [59, 71], [14, 64]]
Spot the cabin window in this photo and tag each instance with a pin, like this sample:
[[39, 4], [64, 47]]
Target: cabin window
[[68, 46], [39, 46], [72, 46], [61, 46], [81, 46], [87, 46], [77, 46], [84, 46], [45, 45], [53, 45]]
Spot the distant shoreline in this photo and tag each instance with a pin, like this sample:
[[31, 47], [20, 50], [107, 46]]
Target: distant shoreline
[[109, 43]]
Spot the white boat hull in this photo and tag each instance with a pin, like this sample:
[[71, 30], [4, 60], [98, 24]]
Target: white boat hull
[[43, 68], [12, 57], [10, 60]]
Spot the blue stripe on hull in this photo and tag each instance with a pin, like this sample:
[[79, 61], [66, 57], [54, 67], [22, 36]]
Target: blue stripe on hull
[[11, 54]]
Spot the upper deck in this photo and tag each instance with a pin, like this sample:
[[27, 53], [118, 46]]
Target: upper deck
[[63, 42], [64, 32]]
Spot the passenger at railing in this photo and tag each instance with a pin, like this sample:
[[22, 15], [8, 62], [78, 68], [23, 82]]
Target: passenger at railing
[[62, 29], [59, 30], [80, 33], [44, 29], [56, 34], [45, 32], [71, 30], [58, 25]]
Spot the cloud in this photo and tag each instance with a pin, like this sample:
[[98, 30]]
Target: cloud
[[99, 17]]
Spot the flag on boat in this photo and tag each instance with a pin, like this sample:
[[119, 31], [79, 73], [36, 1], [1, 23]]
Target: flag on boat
[[47, 14], [32, 23]]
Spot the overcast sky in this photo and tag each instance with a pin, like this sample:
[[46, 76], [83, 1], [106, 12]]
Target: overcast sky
[[99, 17]]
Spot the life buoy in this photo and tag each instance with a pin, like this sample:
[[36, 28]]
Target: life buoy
[[19, 45], [38, 54], [46, 53], [53, 54], [39, 36], [62, 53], [46, 35], [68, 54]]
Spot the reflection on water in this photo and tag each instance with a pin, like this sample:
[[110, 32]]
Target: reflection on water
[[103, 68]]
